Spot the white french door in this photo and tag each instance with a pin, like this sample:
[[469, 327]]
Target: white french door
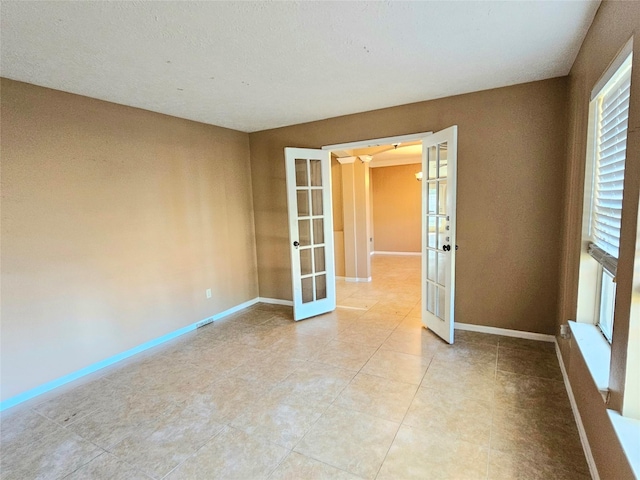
[[310, 231], [439, 156]]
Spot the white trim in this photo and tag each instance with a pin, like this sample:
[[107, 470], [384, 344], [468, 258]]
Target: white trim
[[628, 431], [376, 142], [346, 160], [576, 415], [275, 301], [74, 376], [410, 254], [504, 332], [393, 162], [612, 68], [357, 280]]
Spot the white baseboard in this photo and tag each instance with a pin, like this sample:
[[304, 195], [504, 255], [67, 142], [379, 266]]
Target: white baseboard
[[83, 372], [505, 332], [357, 280], [410, 254], [275, 301], [576, 415]]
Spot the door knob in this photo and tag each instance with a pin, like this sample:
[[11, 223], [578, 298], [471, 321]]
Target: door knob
[[446, 248], [296, 244]]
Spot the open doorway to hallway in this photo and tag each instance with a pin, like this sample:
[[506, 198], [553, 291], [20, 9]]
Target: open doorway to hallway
[[377, 198]]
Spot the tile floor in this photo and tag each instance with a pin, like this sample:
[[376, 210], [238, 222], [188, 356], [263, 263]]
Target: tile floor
[[361, 393]]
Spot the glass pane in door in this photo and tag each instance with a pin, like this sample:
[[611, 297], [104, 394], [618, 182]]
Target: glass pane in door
[[303, 203], [307, 290], [304, 232], [316, 196], [318, 256], [305, 261], [321, 287], [316, 173], [302, 179], [318, 231]]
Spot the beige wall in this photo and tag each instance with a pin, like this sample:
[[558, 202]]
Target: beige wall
[[511, 156], [397, 206], [114, 222], [613, 25]]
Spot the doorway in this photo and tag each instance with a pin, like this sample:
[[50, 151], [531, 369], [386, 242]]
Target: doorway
[[438, 216]]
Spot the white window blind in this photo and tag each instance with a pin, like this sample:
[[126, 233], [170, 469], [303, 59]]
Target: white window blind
[[610, 149]]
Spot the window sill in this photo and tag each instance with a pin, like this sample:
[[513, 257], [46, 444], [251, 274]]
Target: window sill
[[596, 352], [628, 432]]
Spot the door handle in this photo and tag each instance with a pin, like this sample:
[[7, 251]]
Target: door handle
[[296, 244], [446, 248]]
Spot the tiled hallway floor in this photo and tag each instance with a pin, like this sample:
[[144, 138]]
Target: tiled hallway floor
[[363, 392]]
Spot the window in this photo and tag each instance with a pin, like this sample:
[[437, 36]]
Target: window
[[606, 156]]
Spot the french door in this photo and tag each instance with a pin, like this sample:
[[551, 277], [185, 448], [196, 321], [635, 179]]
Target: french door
[[439, 155], [308, 175]]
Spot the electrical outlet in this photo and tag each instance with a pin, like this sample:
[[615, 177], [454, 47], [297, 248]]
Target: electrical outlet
[[204, 322], [208, 293], [565, 332]]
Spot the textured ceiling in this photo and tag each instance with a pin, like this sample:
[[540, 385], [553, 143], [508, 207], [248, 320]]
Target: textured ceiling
[[258, 65]]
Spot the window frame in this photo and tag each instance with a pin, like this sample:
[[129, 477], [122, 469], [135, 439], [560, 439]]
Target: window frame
[[620, 67]]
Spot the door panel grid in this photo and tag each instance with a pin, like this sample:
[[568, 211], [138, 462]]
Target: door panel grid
[[311, 229], [439, 155]]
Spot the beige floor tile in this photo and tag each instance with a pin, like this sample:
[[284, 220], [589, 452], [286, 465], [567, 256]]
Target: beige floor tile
[[396, 308], [349, 440], [24, 426], [48, 457], [460, 379], [358, 302], [513, 466], [158, 449], [410, 324], [111, 424], [107, 467], [422, 455], [397, 366], [225, 399], [468, 353], [278, 422], [523, 391], [529, 362], [252, 316], [416, 312], [476, 337], [231, 455], [80, 401], [299, 346], [377, 396], [351, 356], [311, 384], [261, 337], [380, 319], [516, 430], [299, 467], [365, 335], [269, 371], [458, 417], [293, 384], [526, 344], [418, 341]]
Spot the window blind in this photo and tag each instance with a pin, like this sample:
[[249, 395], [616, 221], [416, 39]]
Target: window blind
[[611, 143]]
